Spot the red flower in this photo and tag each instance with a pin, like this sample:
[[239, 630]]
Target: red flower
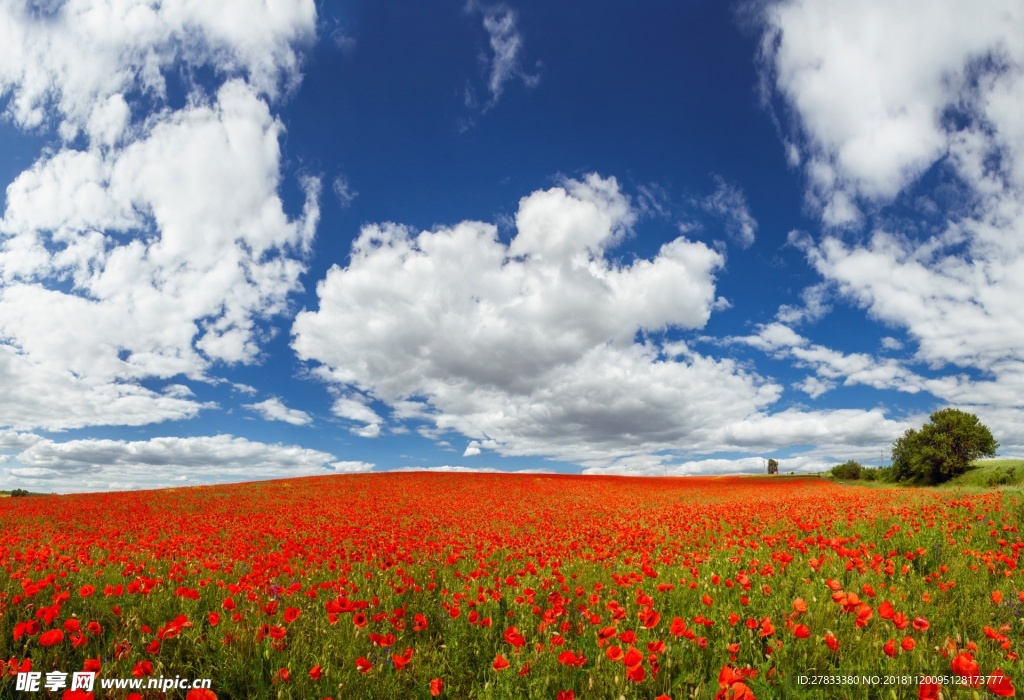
[[921, 624], [565, 695], [890, 648], [832, 642], [201, 694], [51, 637], [885, 610], [614, 653], [214, 619], [436, 687], [142, 668], [568, 658], [316, 672], [363, 665], [86, 590], [500, 663], [1000, 685], [292, 614], [284, 675], [928, 690], [964, 665], [908, 644], [801, 631], [402, 660]]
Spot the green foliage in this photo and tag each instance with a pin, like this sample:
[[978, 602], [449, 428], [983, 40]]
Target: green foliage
[[1002, 477], [848, 470], [773, 466], [19, 492], [943, 448]]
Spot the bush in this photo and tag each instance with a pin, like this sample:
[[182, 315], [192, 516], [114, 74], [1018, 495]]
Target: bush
[[847, 470], [19, 492], [868, 474], [1002, 477], [943, 448]]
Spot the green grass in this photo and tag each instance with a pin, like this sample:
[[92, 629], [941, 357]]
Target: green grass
[[1010, 472]]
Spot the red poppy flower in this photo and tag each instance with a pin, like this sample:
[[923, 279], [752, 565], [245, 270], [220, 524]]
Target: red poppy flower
[[1000, 685], [51, 637], [316, 672], [500, 663], [436, 687], [402, 660]]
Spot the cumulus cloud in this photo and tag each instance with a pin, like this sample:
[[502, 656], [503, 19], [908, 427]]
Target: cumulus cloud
[[156, 245], [874, 108], [274, 409], [74, 62], [82, 465], [873, 102], [531, 347], [504, 63]]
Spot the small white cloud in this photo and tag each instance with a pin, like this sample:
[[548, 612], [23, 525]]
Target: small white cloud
[[351, 467], [343, 191], [368, 431], [506, 44], [729, 204], [814, 386], [274, 409], [890, 343], [472, 449]]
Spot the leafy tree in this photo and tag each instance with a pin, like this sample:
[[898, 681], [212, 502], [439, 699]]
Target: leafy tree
[[773, 466], [848, 470], [19, 492], [943, 448]]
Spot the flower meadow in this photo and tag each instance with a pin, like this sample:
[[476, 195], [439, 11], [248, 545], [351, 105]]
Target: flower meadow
[[421, 585]]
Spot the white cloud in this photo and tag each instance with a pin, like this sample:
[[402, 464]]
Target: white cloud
[[815, 306], [118, 464], [875, 107], [530, 348], [871, 97], [890, 343], [73, 62], [156, 245], [274, 409], [343, 191], [472, 449], [729, 204], [506, 44]]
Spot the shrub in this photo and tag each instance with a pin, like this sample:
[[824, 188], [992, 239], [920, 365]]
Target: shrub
[[1002, 477], [847, 470], [943, 448]]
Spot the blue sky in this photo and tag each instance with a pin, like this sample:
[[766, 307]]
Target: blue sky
[[241, 242]]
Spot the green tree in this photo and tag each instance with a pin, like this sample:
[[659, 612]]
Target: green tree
[[943, 448], [773, 466], [848, 470]]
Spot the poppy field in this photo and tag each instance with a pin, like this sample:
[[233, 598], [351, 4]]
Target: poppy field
[[421, 585]]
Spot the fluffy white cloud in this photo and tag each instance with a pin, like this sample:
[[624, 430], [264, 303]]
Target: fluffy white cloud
[[83, 465], [875, 107], [873, 99], [73, 62], [155, 245], [274, 409], [530, 347]]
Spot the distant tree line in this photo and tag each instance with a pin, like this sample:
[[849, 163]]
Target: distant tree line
[[942, 449]]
